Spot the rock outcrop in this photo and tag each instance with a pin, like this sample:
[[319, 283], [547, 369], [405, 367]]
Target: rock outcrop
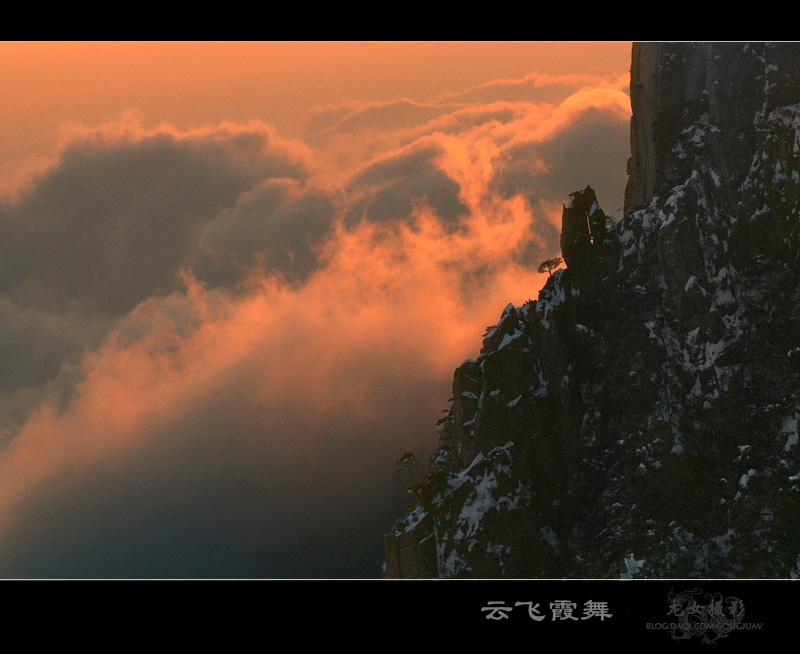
[[584, 233], [640, 418]]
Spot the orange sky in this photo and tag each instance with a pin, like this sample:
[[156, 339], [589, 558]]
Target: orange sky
[[43, 85], [243, 274]]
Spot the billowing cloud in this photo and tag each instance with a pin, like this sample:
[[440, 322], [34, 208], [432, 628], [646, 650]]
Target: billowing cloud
[[112, 223], [232, 336], [390, 187], [277, 225], [287, 377]]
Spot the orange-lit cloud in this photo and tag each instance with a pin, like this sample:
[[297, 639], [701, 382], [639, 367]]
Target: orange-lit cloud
[[358, 131], [383, 292], [252, 330], [544, 125]]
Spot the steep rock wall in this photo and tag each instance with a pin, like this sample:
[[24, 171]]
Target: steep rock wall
[[640, 417]]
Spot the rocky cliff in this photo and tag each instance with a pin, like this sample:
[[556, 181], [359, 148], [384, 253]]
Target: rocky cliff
[[640, 417]]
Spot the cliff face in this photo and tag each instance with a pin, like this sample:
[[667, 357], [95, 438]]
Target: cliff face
[[640, 418]]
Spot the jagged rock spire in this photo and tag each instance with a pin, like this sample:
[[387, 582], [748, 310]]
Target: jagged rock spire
[[583, 229]]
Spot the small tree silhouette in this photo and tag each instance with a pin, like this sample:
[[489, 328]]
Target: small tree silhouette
[[425, 487], [404, 464], [549, 265]]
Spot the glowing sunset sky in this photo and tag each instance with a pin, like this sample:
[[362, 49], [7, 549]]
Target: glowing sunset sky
[[236, 278]]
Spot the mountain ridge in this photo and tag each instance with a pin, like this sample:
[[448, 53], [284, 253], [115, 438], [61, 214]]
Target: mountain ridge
[[640, 417]]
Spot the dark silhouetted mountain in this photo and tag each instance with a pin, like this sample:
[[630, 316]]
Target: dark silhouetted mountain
[[640, 418]]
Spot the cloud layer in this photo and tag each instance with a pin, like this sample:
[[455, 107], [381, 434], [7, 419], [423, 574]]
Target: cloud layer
[[216, 342]]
